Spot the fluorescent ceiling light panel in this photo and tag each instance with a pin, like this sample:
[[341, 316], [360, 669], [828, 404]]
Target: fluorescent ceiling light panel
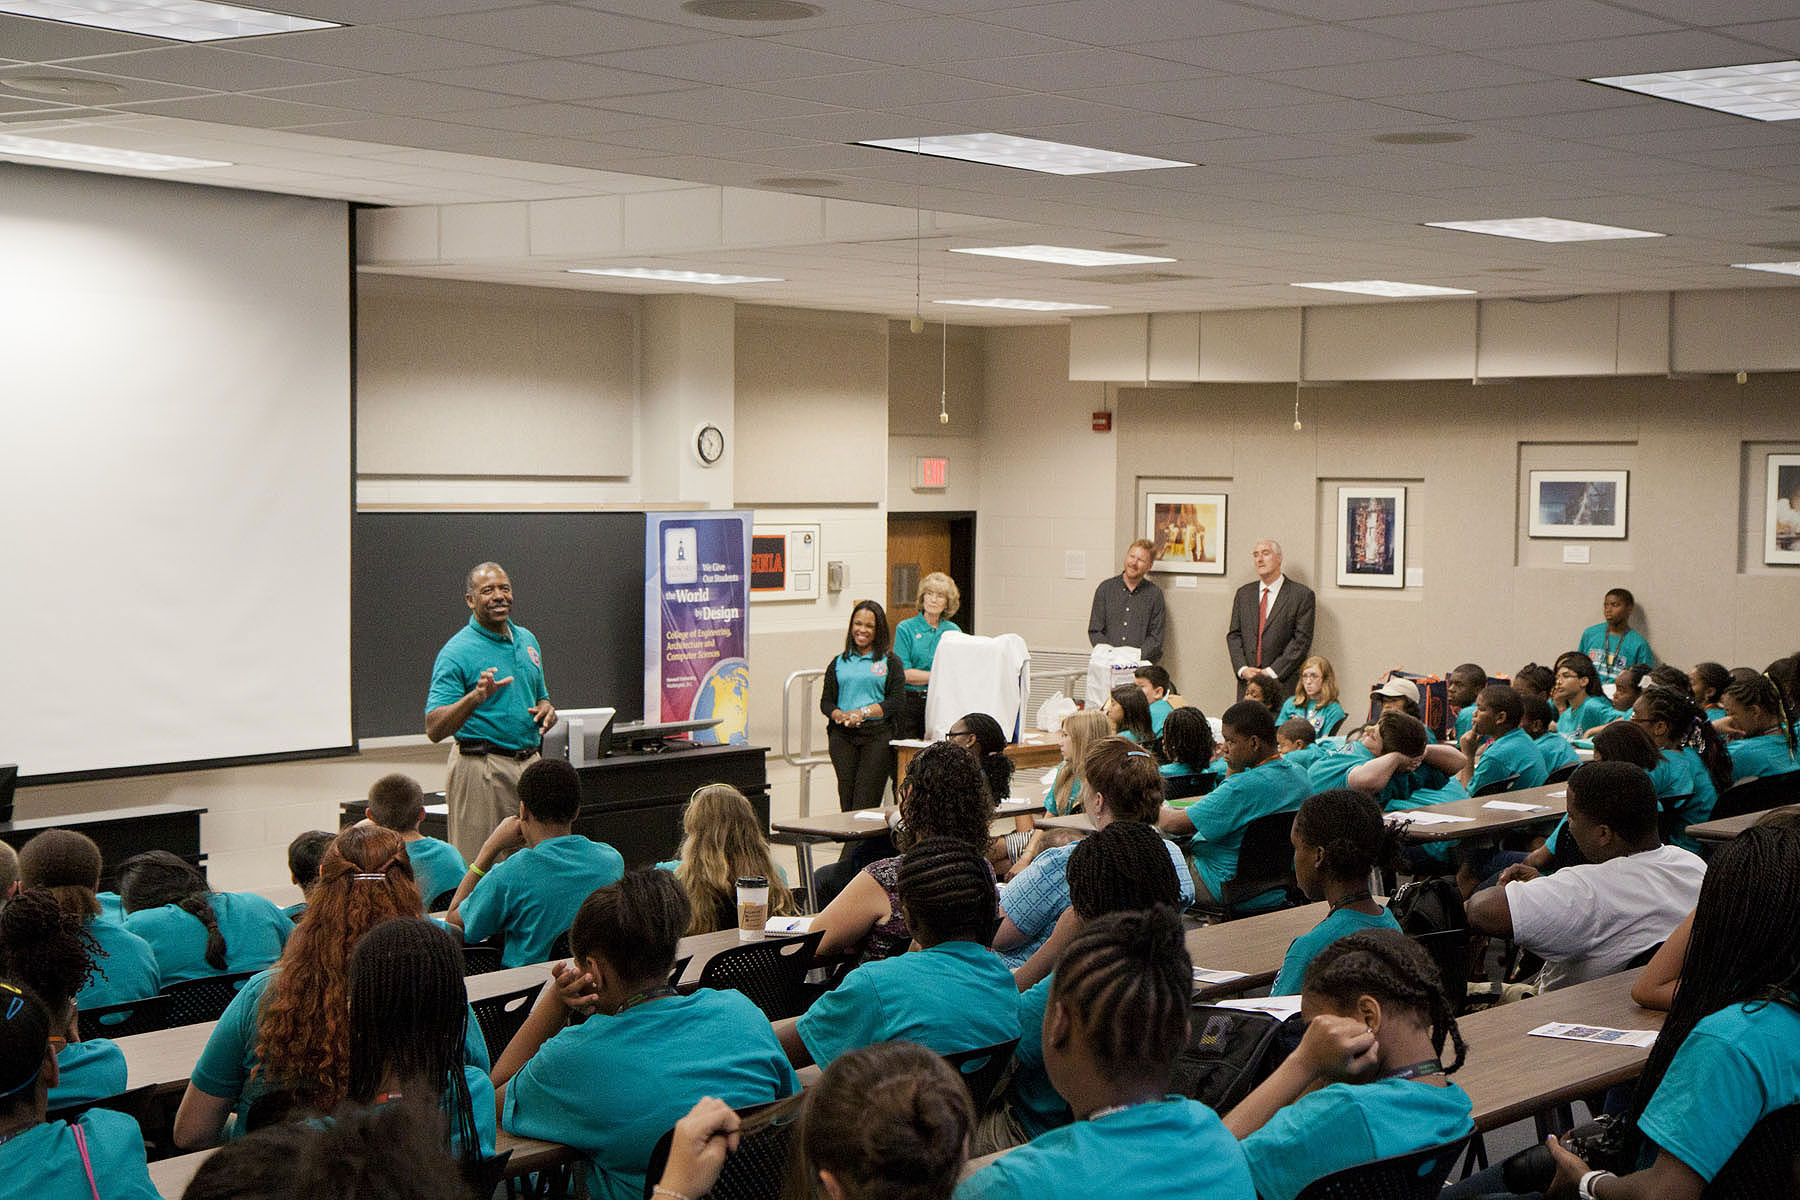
[[1786, 268], [14, 146], [1068, 256], [705, 277], [1027, 305], [1386, 287], [1761, 91], [1025, 154], [1545, 229], [182, 20]]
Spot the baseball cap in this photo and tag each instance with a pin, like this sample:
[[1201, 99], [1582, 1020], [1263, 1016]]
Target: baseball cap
[[1404, 689]]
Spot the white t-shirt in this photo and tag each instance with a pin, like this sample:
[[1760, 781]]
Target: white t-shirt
[[1589, 921]]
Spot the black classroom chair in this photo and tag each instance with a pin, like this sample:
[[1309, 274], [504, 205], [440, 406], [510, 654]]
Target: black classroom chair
[[771, 972], [485, 1175], [1265, 864], [1449, 949], [757, 1168], [1756, 795], [1496, 787], [559, 946], [1766, 1163], [441, 901], [122, 1020], [196, 1001], [1668, 817], [680, 967], [982, 1068], [1187, 787], [1416, 1176], [1562, 773], [480, 958], [501, 1016], [154, 1114]]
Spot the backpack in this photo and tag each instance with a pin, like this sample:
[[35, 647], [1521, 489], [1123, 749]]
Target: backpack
[[1433, 904], [1230, 1051]]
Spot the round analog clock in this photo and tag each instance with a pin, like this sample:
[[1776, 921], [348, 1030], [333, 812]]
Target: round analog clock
[[709, 444]]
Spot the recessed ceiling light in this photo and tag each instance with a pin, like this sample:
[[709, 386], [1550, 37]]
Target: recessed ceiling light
[[1386, 287], [1068, 256], [182, 20], [751, 10], [1024, 154], [1422, 137], [1780, 268], [1545, 229], [1027, 305], [705, 277], [1761, 91], [14, 146], [67, 86]]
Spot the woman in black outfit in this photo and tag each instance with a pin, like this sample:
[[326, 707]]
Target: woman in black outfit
[[863, 686]]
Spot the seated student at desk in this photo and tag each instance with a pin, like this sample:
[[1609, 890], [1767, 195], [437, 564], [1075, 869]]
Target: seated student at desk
[[951, 994], [1461, 687], [1315, 698], [397, 802], [1117, 1017], [1078, 731], [722, 842], [1387, 760], [69, 865], [1260, 783], [1729, 1053], [1159, 692], [195, 931], [531, 897], [1760, 715], [1188, 749], [1581, 705], [1695, 763], [1339, 838], [614, 1084], [1511, 754], [1130, 714], [1378, 1018], [55, 1160], [304, 854], [1539, 722], [42, 946], [1299, 742], [1590, 920]]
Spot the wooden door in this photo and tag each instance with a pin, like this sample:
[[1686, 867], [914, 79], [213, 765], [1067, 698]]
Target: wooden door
[[916, 546]]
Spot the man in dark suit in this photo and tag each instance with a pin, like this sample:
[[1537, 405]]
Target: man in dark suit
[[1271, 622]]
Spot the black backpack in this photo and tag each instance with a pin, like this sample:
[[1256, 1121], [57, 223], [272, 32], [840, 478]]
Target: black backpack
[[1230, 1051], [1429, 905]]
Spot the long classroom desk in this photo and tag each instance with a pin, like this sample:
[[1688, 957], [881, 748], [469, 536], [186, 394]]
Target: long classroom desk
[[1483, 821], [803, 833], [171, 1176], [1250, 946], [1726, 828]]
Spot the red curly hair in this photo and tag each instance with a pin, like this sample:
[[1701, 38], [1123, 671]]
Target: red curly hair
[[303, 1038]]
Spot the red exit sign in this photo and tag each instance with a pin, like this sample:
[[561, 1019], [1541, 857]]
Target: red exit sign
[[931, 473]]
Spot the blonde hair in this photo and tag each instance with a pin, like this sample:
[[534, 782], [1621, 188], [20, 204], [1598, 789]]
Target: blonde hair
[[1328, 688], [1085, 728], [937, 581], [721, 840]]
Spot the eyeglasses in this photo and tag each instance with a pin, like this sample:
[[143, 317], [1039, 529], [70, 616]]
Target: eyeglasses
[[961, 733]]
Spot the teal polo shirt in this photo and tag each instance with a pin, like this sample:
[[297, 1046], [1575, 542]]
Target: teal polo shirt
[[953, 996], [124, 970], [45, 1161], [1761, 756], [255, 931], [437, 866], [1220, 816], [861, 679], [1556, 751], [1339, 924], [532, 896], [1512, 753], [916, 642], [1577, 719], [1737, 1066], [504, 718], [88, 1071], [1345, 1125]]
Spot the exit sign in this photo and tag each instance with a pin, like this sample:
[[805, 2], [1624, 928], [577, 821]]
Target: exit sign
[[929, 473]]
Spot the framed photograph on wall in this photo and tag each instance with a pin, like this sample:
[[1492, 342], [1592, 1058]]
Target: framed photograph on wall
[[1577, 504], [784, 562], [1781, 516], [1371, 536], [1188, 531]]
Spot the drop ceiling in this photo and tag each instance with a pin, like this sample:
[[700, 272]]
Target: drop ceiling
[[464, 102]]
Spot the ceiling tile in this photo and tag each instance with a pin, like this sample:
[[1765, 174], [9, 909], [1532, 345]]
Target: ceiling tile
[[1286, 49], [215, 68], [386, 95], [552, 79], [729, 61], [885, 87], [380, 51], [128, 89], [566, 120], [926, 41], [1108, 23], [720, 105], [1522, 23], [258, 111], [1678, 51], [1073, 69], [1406, 76], [553, 30], [1781, 36]]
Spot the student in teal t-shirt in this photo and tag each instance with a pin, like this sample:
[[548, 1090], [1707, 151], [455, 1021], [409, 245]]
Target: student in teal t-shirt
[[1159, 692], [951, 994], [1187, 742], [42, 948], [1260, 783], [531, 897], [1461, 686], [1116, 1019], [614, 1084], [195, 931], [1315, 698], [916, 642], [1298, 742], [1709, 681], [1580, 703], [1613, 645], [1130, 714], [304, 854], [397, 802], [46, 1160], [1367, 1081], [1693, 751], [1539, 721], [1339, 837], [1511, 754], [1759, 713], [1390, 761], [69, 865]]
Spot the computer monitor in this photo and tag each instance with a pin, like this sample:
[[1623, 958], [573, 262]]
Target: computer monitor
[[581, 735]]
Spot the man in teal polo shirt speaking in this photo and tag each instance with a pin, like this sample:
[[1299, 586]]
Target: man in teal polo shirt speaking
[[487, 688]]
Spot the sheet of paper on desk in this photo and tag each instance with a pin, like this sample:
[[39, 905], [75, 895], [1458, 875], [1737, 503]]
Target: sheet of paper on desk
[[1202, 975], [870, 814], [1281, 1006], [1048, 777], [910, 743], [1421, 817], [1644, 1038], [1558, 795], [789, 925], [1515, 806], [438, 810]]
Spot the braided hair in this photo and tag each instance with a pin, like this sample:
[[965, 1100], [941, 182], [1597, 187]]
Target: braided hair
[[409, 1015], [990, 739], [1126, 979], [68, 864], [1187, 738], [1347, 825], [1749, 690], [946, 888], [1742, 947], [1688, 727], [25, 1028], [1709, 681], [1125, 775], [1621, 741], [944, 794], [1395, 970], [46, 948], [156, 878], [1124, 867], [1535, 678], [1784, 673], [890, 1121], [1134, 713]]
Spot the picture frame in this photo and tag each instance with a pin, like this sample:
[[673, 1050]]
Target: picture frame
[[1581, 504], [1188, 530], [1781, 511], [784, 562], [1371, 536]]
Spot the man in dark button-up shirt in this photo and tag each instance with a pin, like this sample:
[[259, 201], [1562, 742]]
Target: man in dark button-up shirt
[[1128, 608]]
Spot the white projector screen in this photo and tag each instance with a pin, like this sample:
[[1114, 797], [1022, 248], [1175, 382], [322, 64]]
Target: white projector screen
[[175, 471]]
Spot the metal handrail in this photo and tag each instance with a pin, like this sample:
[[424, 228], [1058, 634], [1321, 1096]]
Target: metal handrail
[[803, 758]]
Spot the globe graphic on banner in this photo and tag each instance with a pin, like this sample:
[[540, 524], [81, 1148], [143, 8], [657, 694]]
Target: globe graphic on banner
[[724, 695]]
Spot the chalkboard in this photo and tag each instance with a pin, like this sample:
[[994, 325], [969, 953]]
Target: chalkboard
[[578, 583]]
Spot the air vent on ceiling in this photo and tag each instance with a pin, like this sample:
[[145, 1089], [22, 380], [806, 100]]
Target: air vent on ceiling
[[1125, 277]]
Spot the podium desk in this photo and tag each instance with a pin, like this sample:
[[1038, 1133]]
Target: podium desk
[[1039, 749], [121, 833]]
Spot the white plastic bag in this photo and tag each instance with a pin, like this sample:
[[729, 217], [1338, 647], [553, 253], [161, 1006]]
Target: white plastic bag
[[1051, 712], [1108, 667]]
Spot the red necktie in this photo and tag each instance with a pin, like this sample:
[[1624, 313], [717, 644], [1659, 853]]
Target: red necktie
[[1262, 619]]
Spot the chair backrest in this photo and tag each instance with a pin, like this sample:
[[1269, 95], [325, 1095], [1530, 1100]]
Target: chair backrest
[[441, 901], [1766, 1162], [1754, 795], [122, 1020], [138, 1103], [771, 972], [480, 959], [1186, 787], [757, 1168], [981, 1069], [1416, 1176], [679, 969], [1642, 957], [559, 946], [484, 1174], [1497, 786], [1669, 821], [1449, 949], [500, 1016], [196, 1001], [1562, 773], [1265, 858]]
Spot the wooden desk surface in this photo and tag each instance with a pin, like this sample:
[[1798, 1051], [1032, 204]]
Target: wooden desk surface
[[1488, 821], [1038, 749], [1075, 822], [849, 827], [1510, 1076], [1252, 945], [1726, 828], [171, 1176]]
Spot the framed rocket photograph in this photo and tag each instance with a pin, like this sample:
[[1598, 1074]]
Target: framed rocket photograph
[[1577, 504], [1371, 536]]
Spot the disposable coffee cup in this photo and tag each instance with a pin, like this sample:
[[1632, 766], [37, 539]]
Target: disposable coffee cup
[[753, 907]]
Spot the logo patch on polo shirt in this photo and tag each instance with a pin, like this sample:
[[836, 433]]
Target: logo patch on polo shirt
[[878, 669], [535, 660]]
